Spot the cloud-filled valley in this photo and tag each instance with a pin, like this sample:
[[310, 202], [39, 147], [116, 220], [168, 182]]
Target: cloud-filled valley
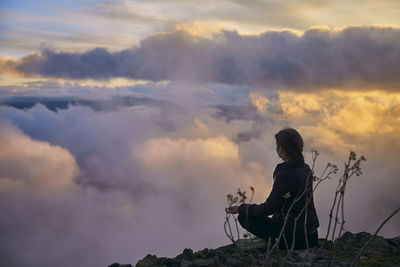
[[138, 179], [124, 124]]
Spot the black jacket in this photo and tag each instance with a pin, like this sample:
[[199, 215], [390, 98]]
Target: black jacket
[[290, 179]]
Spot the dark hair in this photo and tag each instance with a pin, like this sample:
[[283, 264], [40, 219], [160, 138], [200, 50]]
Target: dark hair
[[291, 141]]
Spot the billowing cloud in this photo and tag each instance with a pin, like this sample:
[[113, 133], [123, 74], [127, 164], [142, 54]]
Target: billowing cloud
[[110, 151], [319, 58], [37, 164], [146, 166], [8, 66], [124, 187], [84, 26], [183, 160]]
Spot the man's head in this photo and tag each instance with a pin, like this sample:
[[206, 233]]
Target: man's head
[[289, 144]]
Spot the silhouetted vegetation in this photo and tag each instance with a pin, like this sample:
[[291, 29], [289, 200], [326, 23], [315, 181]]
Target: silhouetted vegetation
[[274, 256]]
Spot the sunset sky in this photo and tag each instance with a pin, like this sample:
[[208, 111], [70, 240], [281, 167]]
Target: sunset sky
[[124, 124]]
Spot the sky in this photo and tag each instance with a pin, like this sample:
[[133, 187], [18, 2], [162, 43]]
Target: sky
[[124, 124]]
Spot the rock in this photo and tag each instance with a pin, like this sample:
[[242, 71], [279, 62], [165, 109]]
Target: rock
[[187, 254], [149, 260], [395, 241], [202, 254], [204, 263], [116, 264], [380, 252], [249, 243]]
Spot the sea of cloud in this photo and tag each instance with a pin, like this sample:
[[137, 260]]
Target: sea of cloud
[[125, 171], [80, 186]]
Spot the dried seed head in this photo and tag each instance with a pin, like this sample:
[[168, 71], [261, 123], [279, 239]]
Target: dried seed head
[[353, 155]]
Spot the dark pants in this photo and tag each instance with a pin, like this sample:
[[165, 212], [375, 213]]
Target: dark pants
[[265, 228]]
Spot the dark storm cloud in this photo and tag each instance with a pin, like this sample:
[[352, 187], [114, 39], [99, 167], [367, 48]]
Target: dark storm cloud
[[318, 58], [57, 103], [232, 112]]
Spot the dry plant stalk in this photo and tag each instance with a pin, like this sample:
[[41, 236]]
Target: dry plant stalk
[[351, 167], [326, 174], [233, 200], [239, 199]]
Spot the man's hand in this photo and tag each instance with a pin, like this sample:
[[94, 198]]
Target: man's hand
[[232, 210]]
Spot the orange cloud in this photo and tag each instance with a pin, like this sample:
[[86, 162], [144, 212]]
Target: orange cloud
[[201, 28], [259, 101], [172, 151], [344, 118], [366, 113], [295, 104], [8, 66], [11, 66]]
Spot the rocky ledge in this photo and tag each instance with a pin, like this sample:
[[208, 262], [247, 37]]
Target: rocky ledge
[[380, 252]]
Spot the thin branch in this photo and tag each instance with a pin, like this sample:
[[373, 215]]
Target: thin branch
[[374, 235]]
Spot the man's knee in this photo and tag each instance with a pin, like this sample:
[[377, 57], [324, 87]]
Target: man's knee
[[242, 219]]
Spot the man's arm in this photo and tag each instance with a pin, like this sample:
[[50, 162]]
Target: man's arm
[[273, 203]]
